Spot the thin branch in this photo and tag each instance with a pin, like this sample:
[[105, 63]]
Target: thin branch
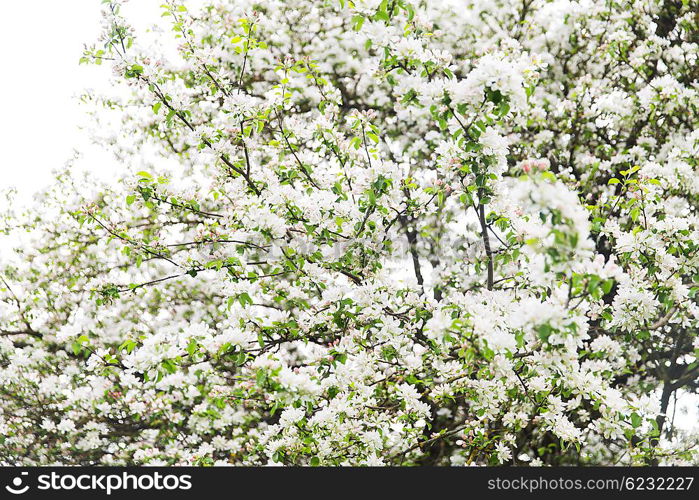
[[486, 243]]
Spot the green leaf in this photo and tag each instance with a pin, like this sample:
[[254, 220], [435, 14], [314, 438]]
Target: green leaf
[[357, 22], [244, 299], [636, 420], [77, 347], [192, 347]]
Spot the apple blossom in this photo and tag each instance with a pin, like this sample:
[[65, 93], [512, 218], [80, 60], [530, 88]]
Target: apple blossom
[[381, 232]]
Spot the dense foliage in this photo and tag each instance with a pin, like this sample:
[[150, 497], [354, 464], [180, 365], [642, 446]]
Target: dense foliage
[[368, 232]]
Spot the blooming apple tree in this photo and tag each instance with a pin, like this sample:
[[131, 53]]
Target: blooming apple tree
[[369, 232]]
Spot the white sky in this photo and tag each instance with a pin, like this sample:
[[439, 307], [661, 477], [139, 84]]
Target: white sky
[[41, 42]]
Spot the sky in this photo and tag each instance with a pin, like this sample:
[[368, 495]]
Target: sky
[[41, 43]]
